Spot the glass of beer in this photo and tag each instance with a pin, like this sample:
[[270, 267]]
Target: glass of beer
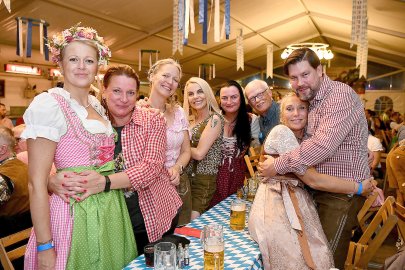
[[165, 256], [252, 188], [212, 239], [238, 215]]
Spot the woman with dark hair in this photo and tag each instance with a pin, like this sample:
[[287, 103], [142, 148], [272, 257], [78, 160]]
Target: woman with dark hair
[[139, 155], [236, 140]]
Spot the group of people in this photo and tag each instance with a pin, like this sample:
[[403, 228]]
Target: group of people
[[322, 141], [128, 172]]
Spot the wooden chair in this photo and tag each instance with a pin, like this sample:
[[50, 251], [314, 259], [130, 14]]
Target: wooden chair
[[383, 162], [384, 221], [6, 257], [251, 163], [254, 151], [367, 211], [400, 212]]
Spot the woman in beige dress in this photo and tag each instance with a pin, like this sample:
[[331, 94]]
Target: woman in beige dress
[[283, 219]]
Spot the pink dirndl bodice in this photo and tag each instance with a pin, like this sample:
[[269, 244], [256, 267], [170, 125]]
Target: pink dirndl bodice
[[78, 147]]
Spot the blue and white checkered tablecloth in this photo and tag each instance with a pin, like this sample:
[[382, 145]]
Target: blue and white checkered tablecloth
[[241, 252]]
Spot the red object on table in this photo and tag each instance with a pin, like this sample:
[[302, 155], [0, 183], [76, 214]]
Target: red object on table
[[188, 231]]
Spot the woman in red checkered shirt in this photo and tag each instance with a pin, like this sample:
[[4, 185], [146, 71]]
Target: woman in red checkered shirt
[[140, 155]]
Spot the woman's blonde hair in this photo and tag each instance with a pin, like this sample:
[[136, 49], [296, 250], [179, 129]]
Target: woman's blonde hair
[[209, 95], [156, 67], [167, 61]]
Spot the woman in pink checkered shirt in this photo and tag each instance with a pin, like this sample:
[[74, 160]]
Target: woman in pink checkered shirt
[[68, 126], [139, 155], [164, 77]]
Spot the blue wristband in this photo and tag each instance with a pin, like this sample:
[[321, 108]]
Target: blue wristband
[[45, 246], [360, 190]]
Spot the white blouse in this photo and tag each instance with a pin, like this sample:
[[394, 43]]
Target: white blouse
[[44, 118]]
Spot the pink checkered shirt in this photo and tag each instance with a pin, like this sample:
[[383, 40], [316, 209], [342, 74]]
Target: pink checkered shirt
[[336, 136], [144, 150]]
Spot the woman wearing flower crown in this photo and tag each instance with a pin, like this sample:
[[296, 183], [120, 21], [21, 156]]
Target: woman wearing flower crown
[[66, 126]]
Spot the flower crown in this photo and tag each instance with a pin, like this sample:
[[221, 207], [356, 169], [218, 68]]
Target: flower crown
[[77, 32]]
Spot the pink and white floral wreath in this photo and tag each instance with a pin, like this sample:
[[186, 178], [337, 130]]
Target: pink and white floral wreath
[[77, 32]]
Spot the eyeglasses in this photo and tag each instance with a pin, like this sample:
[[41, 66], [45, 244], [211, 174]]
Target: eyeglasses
[[258, 96]]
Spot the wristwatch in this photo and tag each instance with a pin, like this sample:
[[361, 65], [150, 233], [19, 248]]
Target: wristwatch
[[107, 184]]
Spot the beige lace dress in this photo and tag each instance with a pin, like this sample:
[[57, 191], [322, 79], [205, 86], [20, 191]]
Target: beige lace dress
[[283, 219]]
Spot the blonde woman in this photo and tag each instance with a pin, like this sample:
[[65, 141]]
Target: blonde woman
[[164, 77], [283, 220], [207, 127], [67, 126]]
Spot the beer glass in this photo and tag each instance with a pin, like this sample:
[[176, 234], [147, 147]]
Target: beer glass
[[252, 188], [212, 240], [238, 215], [165, 256]]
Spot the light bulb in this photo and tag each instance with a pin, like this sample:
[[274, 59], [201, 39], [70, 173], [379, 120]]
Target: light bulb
[[285, 54], [320, 54], [328, 55]]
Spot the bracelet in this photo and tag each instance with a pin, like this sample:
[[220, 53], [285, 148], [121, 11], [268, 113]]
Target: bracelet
[[43, 243], [45, 246], [360, 190], [107, 184]]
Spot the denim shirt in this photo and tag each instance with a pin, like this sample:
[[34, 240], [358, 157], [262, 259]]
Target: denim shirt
[[270, 120]]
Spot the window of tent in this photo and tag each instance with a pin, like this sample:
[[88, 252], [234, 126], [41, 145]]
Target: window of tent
[[382, 103]]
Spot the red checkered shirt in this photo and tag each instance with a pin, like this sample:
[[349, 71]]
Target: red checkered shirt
[[144, 149], [336, 136]]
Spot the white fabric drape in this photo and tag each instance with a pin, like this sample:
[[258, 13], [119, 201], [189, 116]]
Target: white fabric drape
[[359, 34], [7, 4], [269, 70], [240, 63]]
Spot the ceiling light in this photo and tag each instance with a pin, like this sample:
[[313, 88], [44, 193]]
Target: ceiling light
[[320, 49]]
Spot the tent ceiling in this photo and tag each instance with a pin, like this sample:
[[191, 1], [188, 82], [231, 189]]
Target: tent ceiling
[[128, 26]]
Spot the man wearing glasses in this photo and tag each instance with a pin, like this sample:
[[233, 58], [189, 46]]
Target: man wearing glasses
[[260, 98]]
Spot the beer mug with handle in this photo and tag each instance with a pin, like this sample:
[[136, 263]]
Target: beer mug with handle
[[165, 256], [212, 240], [238, 215]]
